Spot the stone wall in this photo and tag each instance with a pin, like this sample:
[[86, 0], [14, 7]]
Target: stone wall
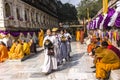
[[18, 14]]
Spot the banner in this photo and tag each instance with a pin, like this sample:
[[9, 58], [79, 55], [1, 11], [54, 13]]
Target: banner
[[105, 6]]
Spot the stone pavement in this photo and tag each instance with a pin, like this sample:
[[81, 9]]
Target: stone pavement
[[77, 69]]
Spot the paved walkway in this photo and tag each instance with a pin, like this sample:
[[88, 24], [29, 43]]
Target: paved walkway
[[77, 69]]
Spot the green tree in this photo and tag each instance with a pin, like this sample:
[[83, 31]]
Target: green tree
[[67, 12], [93, 5]]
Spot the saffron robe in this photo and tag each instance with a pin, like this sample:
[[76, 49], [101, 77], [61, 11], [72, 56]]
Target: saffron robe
[[109, 61], [26, 48], [40, 38], [3, 53]]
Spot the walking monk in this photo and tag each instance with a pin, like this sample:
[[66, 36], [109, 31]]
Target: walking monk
[[41, 37], [50, 61], [82, 36], [3, 52]]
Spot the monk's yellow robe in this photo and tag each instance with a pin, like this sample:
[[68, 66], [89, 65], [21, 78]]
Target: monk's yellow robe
[[77, 35], [108, 61], [12, 49], [26, 48], [40, 38], [18, 53], [3, 53]]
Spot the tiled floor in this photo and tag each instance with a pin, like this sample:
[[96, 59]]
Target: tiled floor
[[77, 69]]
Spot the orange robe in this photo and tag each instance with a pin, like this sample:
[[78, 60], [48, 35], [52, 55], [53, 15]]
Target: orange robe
[[108, 61], [82, 36], [3, 53], [77, 35], [40, 38], [90, 47]]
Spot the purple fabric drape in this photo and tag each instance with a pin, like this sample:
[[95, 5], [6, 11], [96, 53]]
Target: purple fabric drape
[[95, 24], [25, 33], [16, 34], [117, 21], [31, 33], [111, 11], [91, 25], [100, 20], [4, 32]]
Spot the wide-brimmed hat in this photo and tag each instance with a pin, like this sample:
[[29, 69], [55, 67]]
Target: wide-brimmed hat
[[54, 29]]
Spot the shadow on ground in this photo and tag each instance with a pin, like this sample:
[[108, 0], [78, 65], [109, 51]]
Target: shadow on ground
[[32, 55], [74, 61]]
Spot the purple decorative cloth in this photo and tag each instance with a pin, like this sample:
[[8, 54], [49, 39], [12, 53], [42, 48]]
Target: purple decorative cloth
[[94, 24], [110, 13], [31, 33], [16, 34], [117, 21], [100, 20], [4, 32]]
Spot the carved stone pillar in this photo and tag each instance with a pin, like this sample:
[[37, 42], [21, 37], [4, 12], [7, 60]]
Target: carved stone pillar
[[2, 13]]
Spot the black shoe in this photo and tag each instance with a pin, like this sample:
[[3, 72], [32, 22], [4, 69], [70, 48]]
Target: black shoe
[[93, 67]]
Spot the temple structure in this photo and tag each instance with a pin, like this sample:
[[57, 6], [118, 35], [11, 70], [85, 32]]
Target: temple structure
[[27, 15]]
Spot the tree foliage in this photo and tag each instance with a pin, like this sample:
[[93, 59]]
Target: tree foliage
[[67, 12], [93, 7]]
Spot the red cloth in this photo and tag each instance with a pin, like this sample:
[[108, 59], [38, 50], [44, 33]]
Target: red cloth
[[117, 51]]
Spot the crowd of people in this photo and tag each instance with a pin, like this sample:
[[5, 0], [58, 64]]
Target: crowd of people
[[57, 49], [106, 55], [56, 44], [17, 48]]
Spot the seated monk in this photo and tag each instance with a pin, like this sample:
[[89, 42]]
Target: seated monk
[[12, 49], [3, 52], [107, 61], [26, 48], [18, 52], [107, 40], [91, 46]]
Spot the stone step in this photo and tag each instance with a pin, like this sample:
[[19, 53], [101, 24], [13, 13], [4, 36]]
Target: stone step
[[115, 75]]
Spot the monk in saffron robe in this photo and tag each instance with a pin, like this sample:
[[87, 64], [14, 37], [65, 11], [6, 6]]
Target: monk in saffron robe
[[3, 52], [18, 52], [41, 37], [91, 46], [82, 36], [77, 35], [26, 48], [12, 49], [107, 61]]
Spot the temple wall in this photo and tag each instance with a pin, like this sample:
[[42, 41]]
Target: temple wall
[[18, 14]]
